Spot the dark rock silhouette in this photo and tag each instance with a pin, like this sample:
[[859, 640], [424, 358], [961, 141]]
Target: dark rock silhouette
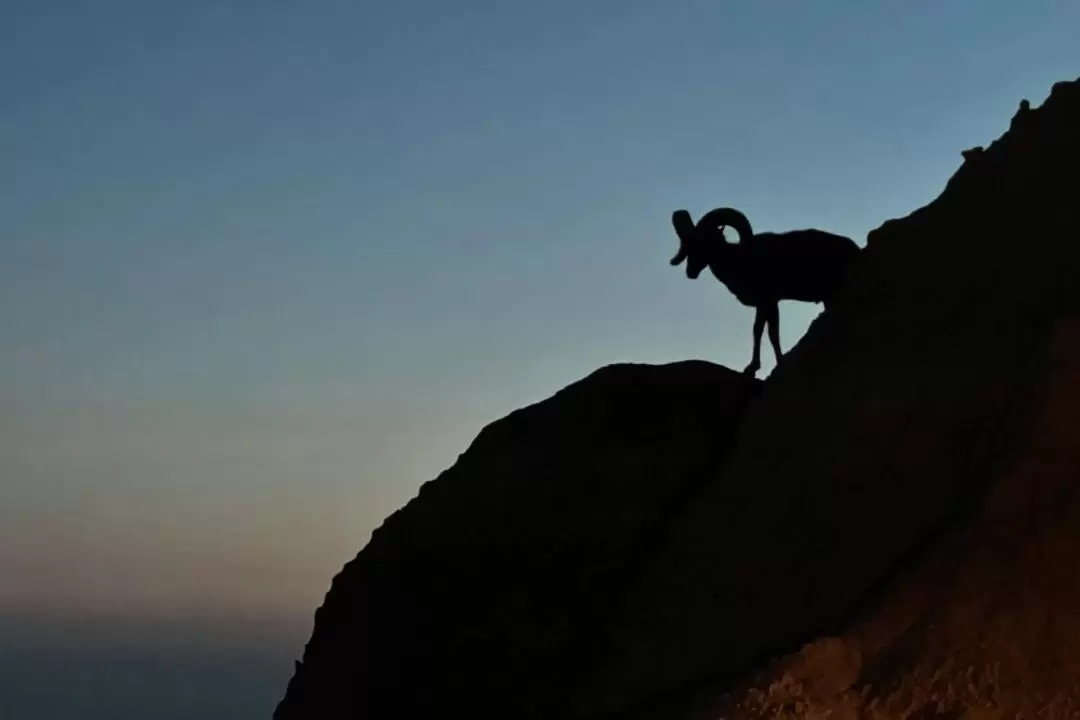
[[488, 594], [888, 528], [764, 268], [985, 622], [1021, 113], [885, 436], [972, 153]]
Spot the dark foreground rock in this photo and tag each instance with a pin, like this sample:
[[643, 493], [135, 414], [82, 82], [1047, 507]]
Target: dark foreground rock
[[489, 594], [888, 528], [986, 624]]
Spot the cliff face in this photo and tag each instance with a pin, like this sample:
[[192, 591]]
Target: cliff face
[[489, 594], [986, 623], [889, 420], [884, 429], [900, 497]]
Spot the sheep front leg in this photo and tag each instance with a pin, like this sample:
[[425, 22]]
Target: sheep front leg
[[772, 319], [759, 327]]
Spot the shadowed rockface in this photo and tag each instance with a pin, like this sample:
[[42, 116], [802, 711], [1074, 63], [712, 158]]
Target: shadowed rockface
[[886, 426], [984, 625], [901, 494], [488, 595]]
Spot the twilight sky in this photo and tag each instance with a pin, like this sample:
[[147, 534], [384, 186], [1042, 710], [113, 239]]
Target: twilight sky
[[266, 267]]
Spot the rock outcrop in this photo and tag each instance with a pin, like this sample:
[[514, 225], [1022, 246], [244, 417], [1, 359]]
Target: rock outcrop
[[888, 526], [489, 594], [987, 623], [883, 432]]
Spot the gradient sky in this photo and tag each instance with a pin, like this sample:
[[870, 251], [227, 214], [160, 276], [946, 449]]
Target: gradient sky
[[266, 267]]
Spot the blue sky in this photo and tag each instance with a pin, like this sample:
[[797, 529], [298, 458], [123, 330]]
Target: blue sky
[[267, 267]]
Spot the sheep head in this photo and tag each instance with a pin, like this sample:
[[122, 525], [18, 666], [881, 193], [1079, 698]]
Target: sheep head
[[702, 240], [690, 248]]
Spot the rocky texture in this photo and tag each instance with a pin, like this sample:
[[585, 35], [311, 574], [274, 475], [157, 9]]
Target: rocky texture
[[899, 500], [988, 624], [489, 593]]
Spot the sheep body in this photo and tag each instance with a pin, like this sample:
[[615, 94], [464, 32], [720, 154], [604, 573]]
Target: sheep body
[[802, 265]]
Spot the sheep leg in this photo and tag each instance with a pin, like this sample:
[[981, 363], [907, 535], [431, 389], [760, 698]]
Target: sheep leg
[[759, 328], [772, 319]]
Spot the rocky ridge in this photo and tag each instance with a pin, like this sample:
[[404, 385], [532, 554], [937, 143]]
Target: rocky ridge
[[899, 500]]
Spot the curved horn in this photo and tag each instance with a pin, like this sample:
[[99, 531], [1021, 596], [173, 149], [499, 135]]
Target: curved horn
[[684, 228], [728, 216]]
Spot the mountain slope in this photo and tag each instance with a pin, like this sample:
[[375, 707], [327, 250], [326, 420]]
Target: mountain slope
[[488, 594], [899, 500], [887, 425]]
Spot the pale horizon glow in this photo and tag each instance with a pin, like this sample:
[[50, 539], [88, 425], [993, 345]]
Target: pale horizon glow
[[265, 271]]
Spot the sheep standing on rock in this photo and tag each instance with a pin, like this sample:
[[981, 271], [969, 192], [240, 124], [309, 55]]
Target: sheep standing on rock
[[763, 269]]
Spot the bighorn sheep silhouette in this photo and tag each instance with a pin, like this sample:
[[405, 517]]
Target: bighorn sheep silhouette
[[764, 268]]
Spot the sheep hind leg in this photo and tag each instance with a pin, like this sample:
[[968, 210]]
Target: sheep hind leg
[[759, 328]]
